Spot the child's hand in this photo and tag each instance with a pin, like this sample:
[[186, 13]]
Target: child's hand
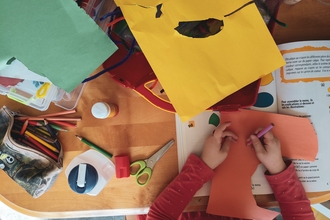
[[216, 146], [269, 153]]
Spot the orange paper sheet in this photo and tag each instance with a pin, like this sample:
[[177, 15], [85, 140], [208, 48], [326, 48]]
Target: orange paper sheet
[[231, 193]]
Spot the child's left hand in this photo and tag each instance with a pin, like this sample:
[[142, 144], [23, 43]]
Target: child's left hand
[[216, 146]]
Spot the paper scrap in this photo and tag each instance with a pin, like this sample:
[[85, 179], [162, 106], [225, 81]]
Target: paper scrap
[[231, 193], [18, 70], [55, 39], [6, 82]]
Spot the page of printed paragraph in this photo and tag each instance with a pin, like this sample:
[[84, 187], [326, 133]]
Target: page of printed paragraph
[[303, 89]]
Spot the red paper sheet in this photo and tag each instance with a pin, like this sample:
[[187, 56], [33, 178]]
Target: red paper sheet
[[231, 193]]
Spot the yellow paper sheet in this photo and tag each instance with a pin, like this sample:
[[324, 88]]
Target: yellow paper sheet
[[231, 193], [199, 72]]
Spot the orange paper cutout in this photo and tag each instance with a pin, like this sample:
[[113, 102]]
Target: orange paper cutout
[[231, 193]]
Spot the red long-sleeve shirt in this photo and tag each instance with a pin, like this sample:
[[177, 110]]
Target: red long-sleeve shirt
[[174, 198]]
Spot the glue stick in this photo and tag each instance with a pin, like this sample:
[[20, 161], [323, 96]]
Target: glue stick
[[103, 110]]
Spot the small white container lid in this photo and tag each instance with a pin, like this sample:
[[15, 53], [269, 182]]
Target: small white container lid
[[105, 168], [101, 110]]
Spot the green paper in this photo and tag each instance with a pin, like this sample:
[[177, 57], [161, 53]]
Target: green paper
[[54, 38]]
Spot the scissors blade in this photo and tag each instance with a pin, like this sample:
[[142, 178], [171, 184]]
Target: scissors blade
[[156, 156]]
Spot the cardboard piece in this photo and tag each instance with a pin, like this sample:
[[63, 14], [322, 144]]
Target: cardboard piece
[[231, 186], [199, 72], [55, 39]]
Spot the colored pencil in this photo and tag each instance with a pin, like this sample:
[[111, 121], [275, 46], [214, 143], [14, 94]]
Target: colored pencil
[[95, 147], [41, 147], [35, 123], [56, 127], [19, 124], [30, 144], [24, 117], [63, 123], [59, 113], [41, 135], [49, 129], [13, 131], [41, 141], [51, 132], [43, 130], [48, 119], [262, 132], [26, 123]]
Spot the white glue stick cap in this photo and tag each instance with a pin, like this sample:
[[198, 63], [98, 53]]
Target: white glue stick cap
[[100, 110]]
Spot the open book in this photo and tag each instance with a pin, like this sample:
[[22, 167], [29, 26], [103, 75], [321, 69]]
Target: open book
[[300, 88]]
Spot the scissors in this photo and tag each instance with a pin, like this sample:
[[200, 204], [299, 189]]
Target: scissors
[[146, 166]]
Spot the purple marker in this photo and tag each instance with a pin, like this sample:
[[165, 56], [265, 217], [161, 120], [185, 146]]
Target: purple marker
[[262, 132]]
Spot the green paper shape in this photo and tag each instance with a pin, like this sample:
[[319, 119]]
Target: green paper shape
[[214, 120], [55, 39]]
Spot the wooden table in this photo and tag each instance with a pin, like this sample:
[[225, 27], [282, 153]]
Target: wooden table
[[139, 130]]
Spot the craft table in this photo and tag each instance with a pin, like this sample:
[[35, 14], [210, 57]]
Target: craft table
[[138, 130]]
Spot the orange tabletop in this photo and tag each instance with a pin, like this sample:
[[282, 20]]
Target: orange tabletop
[[138, 130]]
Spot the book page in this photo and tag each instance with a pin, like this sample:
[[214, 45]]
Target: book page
[[312, 88], [191, 136], [303, 89]]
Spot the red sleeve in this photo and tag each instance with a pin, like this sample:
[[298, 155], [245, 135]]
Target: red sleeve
[[176, 196], [290, 194]]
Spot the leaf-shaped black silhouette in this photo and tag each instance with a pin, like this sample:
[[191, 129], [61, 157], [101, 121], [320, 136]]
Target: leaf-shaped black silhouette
[[200, 29]]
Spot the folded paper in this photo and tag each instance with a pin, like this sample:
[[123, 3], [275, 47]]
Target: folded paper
[[197, 72], [55, 39]]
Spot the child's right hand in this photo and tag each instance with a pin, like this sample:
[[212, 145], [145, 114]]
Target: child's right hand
[[269, 153]]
